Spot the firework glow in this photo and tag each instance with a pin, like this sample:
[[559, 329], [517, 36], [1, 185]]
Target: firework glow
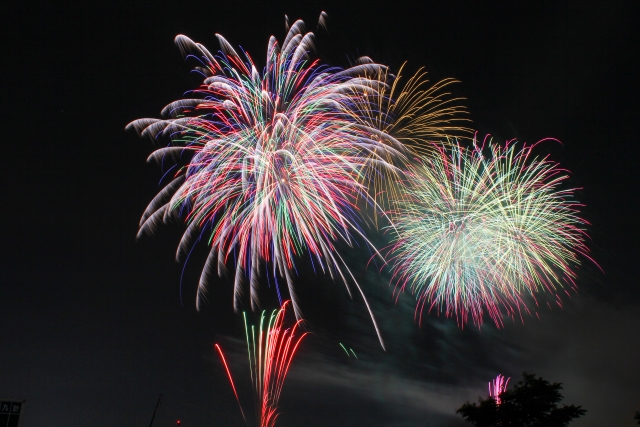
[[479, 229], [271, 347]]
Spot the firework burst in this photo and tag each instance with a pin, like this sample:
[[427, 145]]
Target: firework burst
[[271, 347], [409, 114], [480, 229], [413, 112], [276, 161]]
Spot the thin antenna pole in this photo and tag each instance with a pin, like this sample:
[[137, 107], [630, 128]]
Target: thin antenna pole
[[155, 410]]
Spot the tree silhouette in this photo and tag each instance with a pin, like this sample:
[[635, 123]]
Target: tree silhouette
[[533, 402], [637, 417]]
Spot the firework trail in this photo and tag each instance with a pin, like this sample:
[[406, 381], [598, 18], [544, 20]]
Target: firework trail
[[271, 347], [275, 162], [497, 387], [480, 229]]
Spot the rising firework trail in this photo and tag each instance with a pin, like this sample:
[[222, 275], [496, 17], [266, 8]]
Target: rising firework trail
[[269, 165], [482, 228], [271, 347]]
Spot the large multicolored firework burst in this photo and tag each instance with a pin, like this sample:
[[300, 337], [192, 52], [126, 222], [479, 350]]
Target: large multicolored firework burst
[[480, 229], [276, 161], [271, 347]]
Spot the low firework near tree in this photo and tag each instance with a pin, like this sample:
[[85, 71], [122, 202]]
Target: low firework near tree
[[533, 402], [271, 347], [497, 387], [481, 229]]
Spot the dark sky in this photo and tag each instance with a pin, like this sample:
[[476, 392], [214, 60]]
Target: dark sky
[[92, 328]]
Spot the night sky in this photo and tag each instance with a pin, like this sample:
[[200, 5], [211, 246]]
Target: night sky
[[94, 325]]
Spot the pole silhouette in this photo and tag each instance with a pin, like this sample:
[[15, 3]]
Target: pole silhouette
[[155, 410]]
